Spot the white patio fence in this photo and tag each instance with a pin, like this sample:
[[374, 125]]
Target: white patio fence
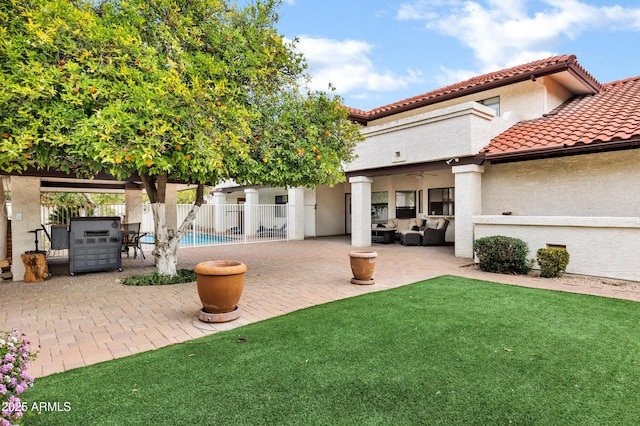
[[213, 225]]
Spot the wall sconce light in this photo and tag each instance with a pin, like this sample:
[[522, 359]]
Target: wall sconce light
[[452, 160]]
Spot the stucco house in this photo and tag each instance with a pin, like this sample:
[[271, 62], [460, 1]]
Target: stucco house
[[541, 151]]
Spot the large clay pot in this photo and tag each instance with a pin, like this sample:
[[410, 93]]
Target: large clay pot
[[363, 263], [220, 285]]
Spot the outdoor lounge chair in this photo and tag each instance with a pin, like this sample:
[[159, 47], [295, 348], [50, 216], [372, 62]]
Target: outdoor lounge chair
[[435, 237], [272, 232]]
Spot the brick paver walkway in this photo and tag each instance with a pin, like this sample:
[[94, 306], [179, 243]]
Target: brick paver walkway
[[91, 318]]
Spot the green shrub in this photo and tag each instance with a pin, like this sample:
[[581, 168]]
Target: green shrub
[[552, 261], [505, 255], [182, 276]]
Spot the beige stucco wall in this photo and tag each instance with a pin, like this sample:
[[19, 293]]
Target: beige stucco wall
[[598, 246], [528, 98], [25, 200], [455, 128], [330, 210], [602, 184], [588, 203], [456, 131]]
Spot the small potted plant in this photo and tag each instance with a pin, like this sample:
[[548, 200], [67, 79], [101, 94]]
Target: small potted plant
[[363, 263], [220, 284]]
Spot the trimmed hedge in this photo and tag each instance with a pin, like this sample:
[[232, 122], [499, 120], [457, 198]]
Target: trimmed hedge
[[182, 276], [552, 261], [504, 255]]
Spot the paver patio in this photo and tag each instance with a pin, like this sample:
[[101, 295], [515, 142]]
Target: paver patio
[[89, 318]]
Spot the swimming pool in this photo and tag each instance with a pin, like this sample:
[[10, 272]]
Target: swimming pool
[[188, 239]]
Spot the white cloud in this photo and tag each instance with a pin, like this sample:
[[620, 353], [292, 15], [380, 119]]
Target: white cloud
[[508, 32], [347, 66]]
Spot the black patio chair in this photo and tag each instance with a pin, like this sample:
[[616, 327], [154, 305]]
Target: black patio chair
[[131, 238]]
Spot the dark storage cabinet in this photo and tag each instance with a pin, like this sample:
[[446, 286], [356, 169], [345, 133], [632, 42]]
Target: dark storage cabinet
[[94, 244], [59, 237]]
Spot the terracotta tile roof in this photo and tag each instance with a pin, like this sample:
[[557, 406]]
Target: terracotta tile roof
[[481, 83], [610, 116]]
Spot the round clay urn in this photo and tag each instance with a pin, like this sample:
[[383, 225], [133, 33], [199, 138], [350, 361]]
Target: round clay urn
[[363, 263], [220, 285]]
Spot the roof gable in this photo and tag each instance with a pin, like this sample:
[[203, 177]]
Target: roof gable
[[610, 117], [485, 82]]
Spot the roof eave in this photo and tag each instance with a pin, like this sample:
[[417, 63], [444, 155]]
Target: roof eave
[[570, 66], [561, 151]]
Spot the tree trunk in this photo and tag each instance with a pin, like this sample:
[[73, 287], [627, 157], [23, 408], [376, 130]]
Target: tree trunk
[[94, 207], [166, 241]]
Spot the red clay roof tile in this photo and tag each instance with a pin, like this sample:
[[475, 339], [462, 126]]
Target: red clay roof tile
[[612, 115], [480, 83]]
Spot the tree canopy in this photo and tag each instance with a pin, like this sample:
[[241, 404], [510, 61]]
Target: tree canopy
[[193, 91], [197, 91]]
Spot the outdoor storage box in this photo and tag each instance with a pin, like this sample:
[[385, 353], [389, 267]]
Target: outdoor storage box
[[94, 244]]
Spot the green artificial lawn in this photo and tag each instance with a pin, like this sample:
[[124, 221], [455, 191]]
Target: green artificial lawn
[[444, 351]]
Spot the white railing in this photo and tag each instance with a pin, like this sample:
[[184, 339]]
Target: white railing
[[213, 225], [235, 224]]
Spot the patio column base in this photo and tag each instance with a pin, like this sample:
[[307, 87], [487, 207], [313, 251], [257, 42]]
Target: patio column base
[[223, 317]]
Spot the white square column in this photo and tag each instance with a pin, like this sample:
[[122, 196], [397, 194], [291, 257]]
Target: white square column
[[251, 212], [468, 203], [219, 201], [360, 211], [171, 206], [295, 198]]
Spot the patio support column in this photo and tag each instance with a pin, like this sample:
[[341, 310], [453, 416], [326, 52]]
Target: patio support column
[[25, 206], [468, 203], [360, 211], [133, 205], [171, 200], [219, 200], [295, 226], [251, 216]]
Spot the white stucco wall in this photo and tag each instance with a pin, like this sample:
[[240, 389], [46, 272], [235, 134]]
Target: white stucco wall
[[330, 210], [589, 203], [603, 246], [528, 98], [603, 184], [456, 131]]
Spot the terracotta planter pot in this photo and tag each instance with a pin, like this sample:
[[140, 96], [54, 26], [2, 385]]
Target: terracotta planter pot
[[363, 263], [220, 285]]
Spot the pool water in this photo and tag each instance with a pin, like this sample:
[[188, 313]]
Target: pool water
[[188, 239]]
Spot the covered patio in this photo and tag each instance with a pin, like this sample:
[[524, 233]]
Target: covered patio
[[89, 318]]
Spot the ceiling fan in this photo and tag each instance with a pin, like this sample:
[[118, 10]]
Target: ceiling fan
[[420, 175]]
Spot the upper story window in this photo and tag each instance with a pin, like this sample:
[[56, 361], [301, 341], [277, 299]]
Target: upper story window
[[493, 103]]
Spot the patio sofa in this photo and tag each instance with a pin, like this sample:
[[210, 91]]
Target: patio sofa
[[434, 232], [414, 232], [402, 227]]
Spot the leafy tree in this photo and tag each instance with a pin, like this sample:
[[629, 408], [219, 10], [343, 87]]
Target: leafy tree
[[196, 91]]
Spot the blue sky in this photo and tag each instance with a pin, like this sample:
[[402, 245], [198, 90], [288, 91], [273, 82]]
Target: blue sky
[[377, 52]]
